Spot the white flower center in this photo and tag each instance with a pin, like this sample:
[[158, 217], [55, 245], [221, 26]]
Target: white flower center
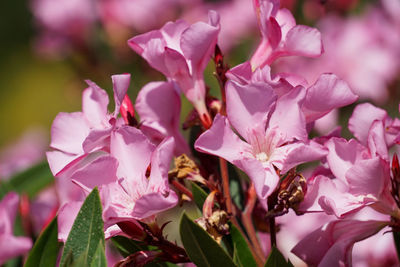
[[262, 157]]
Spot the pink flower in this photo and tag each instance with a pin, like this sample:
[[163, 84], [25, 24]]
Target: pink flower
[[281, 36], [27, 151], [10, 245], [326, 94], [159, 106], [132, 179], [74, 135], [62, 24], [360, 172], [181, 52], [331, 245], [274, 134], [357, 50], [363, 118]]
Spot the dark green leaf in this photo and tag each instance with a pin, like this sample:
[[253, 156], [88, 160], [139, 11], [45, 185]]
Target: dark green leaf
[[200, 247], [396, 236], [241, 251], [199, 195], [45, 250], [276, 259], [99, 258], [235, 186], [86, 232], [30, 181], [127, 246]]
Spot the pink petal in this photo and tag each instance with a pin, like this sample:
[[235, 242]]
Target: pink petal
[[361, 120], [94, 104], [198, 43], [285, 20], [264, 176], [151, 47], [153, 203], [68, 132], [12, 246], [221, 141], [97, 139], [100, 171], [241, 73], [368, 177], [58, 160], [178, 69], [66, 218], [158, 105], [248, 105], [120, 87], [8, 212], [288, 117], [377, 142], [160, 162], [172, 32], [328, 92], [331, 245], [303, 41], [343, 155], [292, 155], [133, 151]]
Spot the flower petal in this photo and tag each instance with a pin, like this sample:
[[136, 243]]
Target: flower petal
[[248, 105], [221, 141]]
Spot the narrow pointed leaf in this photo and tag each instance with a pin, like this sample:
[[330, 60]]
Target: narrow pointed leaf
[[87, 231], [241, 250], [396, 237], [199, 195], [45, 250], [200, 247], [99, 259], [127, 246], [276, 259]]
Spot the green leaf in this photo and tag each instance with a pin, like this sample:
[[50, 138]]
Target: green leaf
[[127, 246], [45, 250], [30, 181], [200, 247], [276, 259], [396, 237], [199, 195], [99, 258], [86, 232], [241, 251], [235, 186]]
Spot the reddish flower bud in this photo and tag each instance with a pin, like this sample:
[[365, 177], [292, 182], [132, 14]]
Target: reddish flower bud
[[395, 168], [128, 112], [133, 230]]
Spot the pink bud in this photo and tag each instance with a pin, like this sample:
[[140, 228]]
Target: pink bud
[[128, 112]]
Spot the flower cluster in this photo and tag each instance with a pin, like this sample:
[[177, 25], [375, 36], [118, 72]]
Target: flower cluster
[[254, 164]]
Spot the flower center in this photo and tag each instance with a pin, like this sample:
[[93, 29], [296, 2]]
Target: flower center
[[262, 157]]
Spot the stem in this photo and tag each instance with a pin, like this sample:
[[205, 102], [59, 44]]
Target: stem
[[225, 185], [248, 223], [182, 188]]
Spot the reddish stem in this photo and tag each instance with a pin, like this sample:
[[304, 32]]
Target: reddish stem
[[182, 188], [248, 223]]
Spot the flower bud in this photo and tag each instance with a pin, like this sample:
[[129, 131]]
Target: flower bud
[[128, 112], [132, 229]]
